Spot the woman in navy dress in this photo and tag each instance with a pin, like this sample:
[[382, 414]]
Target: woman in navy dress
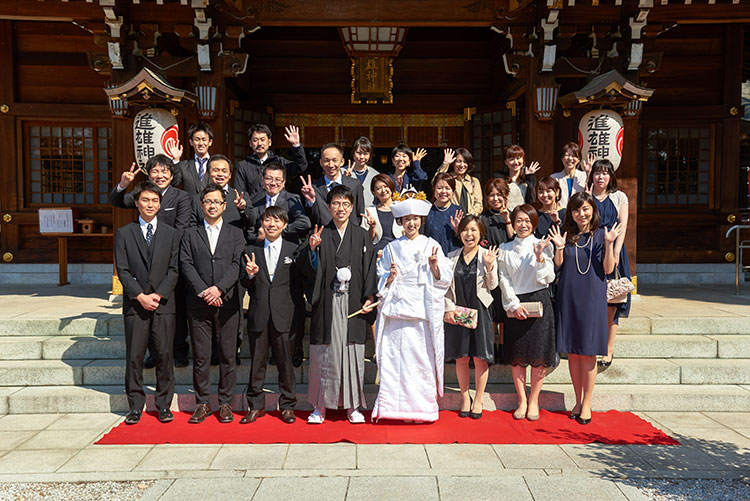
[[613, 208], [444, 217], [585, 254], [548, 206]]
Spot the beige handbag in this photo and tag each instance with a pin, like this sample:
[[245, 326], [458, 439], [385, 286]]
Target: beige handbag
[[535, 309], [618, 289]]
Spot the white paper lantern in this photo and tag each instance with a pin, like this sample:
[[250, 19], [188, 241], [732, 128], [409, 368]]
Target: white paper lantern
[[601, 132], [155, 131]]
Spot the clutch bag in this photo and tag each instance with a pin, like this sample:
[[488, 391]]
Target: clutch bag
[[618, 289], [465, 317], [534, 308]]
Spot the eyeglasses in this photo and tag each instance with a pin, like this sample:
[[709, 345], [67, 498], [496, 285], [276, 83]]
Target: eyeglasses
[[277, 180], [213, 202], [341, 205]]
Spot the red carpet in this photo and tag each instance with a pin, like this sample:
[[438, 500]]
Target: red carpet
[[499, 427]]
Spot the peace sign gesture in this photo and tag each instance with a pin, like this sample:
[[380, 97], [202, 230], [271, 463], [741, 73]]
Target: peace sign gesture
[[308, 191], [315, 237], [449, 156], [433, 262], [419, 154], [369, 218], [128, 176], [556, 238], [539, 248], [251, 267], [291, 134], [456, 220], [349, 170], [490, 256], [239, 200], [531, 169]]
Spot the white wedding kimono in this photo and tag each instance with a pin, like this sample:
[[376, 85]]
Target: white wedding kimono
[[409, 332]]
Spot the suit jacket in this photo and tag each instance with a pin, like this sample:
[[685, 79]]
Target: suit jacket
[[186, 175], [272, 300], [319, 213], [241, 219], [201, 269], [579, 185], [249, 172], [176, 207], [147, 269], [366, 184], [299, 223], [485, 281]]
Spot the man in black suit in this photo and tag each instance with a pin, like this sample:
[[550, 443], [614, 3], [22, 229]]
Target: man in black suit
[[191, 173], [272, 285], [250, 171], [235, 212], [146, 258], [316, 192], [176, 211], [275, 194], [210, 261]]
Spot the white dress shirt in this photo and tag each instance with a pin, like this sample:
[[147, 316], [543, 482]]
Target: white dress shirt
[[144, 226], [520, 272], [271, 200], [213, 233], [272, 252]]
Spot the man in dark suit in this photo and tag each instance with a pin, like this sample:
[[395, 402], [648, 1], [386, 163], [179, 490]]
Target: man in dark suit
[[210, 261], [191, 173], [271, 282], [176, 211], [275, 194], [250, 171], [316, 192], [235, 212], [146, 258]]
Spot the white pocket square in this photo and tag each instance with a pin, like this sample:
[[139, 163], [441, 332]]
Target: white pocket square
[[288, 260], [169, 208]]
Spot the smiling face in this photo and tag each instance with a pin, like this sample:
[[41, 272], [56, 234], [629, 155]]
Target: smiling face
[[470, 235], [547, 197], [382, 192], [273, 182], [411, 225], [219, 172], [583, 216], [361, 157], [569, 160], [460, 166], [400, 161], [161, 176], [201, 143], [148, 205], [259, 143], [340, 208], [443, 192], [496, 200], [273, 227], [331, 160], [514, 164], [522, 224], [213, 206]]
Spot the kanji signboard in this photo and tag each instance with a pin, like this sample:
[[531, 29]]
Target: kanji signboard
[[154, 131], [601, 132]]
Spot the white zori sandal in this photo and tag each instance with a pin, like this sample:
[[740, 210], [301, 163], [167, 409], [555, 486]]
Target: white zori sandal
[[317, 416]]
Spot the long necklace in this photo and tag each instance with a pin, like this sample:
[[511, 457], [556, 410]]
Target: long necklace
[[590, 243]]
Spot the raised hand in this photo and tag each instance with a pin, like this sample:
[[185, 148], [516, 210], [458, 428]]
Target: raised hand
[[315, 238], [531, 169], [261, 234], [239, 200], [433, 262], [554, 217], [369, 218], [349, 170], [420, 154], [178, 150], [490, 256], [456, 220], [393, 273], [308, 191], [128, 176], [611, 235], [449, 156], [539, 248], [556, 238], [291, 134], [251, 267], [587, 163]]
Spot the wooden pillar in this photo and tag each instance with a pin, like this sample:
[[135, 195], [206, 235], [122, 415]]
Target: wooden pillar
[[627, 181], [12, 183], [540, 134]]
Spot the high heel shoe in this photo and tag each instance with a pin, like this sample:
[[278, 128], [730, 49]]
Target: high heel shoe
[[519, 414], [604, 364], [465, 414], [580, 420], [475, 415], [574, 414]]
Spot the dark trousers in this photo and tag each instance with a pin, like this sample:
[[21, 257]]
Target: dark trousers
[[181, 345], [283, 349], [204, 322], [143, 328]]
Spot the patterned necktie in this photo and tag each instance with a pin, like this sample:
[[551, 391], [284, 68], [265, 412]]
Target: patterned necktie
[[149, 233], [333, 185], [201, 169]]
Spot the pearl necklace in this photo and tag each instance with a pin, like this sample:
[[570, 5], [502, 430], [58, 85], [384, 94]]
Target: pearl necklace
[[590, 244], [442, 209]]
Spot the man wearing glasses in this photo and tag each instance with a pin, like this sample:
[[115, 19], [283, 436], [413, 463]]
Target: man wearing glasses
[[210, 261]]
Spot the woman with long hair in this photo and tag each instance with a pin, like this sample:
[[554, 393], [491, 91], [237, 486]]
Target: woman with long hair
[[520, 177], [444, 217], [378, 219], [548, 205], [572, 177]]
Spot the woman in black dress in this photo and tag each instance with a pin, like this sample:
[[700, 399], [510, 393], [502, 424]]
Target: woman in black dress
[[474, 277], [378, 219]]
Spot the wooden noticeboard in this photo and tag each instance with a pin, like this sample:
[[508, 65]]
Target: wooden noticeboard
[[57, 220]]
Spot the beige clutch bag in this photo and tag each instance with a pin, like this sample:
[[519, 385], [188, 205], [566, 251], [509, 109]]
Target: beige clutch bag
[[535, 309]]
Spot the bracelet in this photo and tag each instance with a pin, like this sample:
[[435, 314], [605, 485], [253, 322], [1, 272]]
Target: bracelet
[[559, 248]]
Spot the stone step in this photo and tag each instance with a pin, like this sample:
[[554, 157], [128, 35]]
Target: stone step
[[686, 398], [622, 371]]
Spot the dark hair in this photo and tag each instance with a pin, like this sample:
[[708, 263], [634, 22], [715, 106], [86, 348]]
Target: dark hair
[[385, 179], [146, 185], [514, 151], [260, 129], [274, 166], [211, 187], [160, 159], [529, 210], [422, 220], [573, 148], [340, 191], [444, 176], [473, 219], [546, 183], [575, 203], [216, 158], [604, 165], [402, 148], [364, 143], [275, 212], [468, 158], [332, 145], [498, 184], [200, 127]]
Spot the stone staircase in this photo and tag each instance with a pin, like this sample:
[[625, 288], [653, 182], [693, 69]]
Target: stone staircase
[[661, 364]]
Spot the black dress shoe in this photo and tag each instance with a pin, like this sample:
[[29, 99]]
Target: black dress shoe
[[149, 363], [200, 414], [225, 413], [574, 415], [604, 364], [465, 414], [287, 415], [475, 415], [181, 362], [165, 415], [272, 360], [133, 417], [238, 360], [251, 416], [580, 420], [298, 357]]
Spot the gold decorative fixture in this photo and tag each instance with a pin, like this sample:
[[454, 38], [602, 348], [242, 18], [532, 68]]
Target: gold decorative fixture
[[372, 80], [8, 257]]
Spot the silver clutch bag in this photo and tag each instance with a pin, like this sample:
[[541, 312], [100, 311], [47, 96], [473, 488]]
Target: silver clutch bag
[[535, 309]]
